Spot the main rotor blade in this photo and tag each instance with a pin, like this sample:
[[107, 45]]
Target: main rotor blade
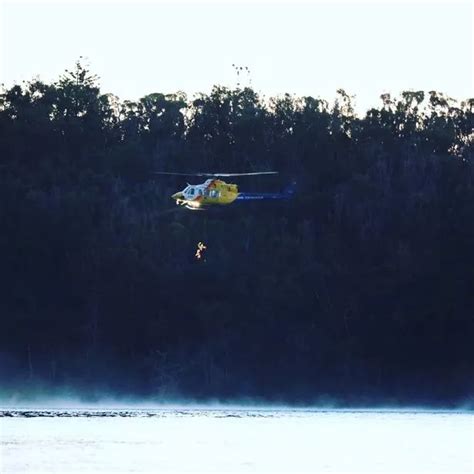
[[244, 174], [216, 174]]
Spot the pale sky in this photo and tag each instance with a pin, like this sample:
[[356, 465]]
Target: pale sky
[[305, 48]]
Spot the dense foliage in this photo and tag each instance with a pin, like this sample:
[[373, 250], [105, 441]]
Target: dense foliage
[[359, 289]]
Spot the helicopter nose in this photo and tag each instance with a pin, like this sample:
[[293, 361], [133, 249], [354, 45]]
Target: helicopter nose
[[177, 196]]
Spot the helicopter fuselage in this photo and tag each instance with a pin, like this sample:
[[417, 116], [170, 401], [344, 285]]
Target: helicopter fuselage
[[211, 192]]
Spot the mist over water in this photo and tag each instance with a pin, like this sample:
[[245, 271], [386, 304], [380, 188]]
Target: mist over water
[[71, 431], [70, 398], [78, 431]]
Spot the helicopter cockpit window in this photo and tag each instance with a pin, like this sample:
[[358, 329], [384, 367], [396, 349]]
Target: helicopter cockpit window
[[191, 191]]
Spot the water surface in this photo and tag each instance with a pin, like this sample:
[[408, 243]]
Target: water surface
[[238, 440]]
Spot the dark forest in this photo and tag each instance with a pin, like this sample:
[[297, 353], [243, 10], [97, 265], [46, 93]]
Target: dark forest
[[358, 291]]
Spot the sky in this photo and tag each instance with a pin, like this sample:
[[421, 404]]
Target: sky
[[301, 47]]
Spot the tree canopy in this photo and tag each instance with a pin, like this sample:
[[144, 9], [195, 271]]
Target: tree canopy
[[358, 290]]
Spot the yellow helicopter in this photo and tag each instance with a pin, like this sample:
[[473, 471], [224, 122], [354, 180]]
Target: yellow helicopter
[[215, 191]]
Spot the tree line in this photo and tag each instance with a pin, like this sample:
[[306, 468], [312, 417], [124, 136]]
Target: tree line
[[357, 290]]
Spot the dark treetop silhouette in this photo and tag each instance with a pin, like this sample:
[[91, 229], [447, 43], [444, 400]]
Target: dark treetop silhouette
[[359, 289]]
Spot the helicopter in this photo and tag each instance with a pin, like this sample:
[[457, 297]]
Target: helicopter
[[217, 192]]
